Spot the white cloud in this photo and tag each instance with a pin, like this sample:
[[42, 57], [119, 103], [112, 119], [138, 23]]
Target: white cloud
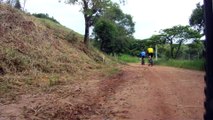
[[68, 15], [153, 15], [149, 15]]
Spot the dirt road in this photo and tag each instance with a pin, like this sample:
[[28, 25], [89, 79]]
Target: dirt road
[[136, 93], [161, 93]]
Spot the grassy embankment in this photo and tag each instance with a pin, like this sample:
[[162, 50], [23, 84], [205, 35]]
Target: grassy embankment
[[188, 64], [37, 53], [128, 58]]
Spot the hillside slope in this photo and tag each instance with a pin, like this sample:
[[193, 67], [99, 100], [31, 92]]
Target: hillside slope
[[37, 52]]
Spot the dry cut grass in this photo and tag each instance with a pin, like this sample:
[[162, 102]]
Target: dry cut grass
[[36, 53]]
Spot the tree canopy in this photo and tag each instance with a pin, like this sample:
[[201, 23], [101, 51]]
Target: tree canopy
[[105, 33], [196, 19], [17, 4], [122, 28], [178, 35], [90, 9]]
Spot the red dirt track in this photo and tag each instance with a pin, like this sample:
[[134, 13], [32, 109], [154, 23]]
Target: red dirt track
[[162, 93], [136, 93]]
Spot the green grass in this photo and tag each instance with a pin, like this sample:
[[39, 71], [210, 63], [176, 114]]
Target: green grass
[[128, 58], [188, 64], [60, 30], [53, 25]]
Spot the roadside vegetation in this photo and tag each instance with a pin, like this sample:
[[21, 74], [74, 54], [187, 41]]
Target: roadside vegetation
[[128, 58], [188, 64]]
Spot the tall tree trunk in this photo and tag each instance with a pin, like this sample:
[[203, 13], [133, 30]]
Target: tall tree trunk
[[86, 34], [102, 45], [178, 50], [171, 49], [87, 25]]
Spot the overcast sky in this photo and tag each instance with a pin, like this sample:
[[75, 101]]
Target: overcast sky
[[149, 16]]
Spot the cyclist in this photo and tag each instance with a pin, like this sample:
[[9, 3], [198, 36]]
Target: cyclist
[[150, 52], [142, 55]]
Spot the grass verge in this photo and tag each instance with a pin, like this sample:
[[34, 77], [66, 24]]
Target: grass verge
[[188, 64], [128, 59]]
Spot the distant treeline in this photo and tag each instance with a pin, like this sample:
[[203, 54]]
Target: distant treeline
[[45, 16]]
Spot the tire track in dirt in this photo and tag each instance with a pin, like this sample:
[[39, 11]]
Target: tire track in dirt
[[82, 100], [163, 93]]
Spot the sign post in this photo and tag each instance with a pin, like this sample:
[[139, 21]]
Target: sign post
[[156, 52]]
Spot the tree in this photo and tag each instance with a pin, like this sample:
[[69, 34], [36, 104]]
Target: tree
[[122, 20], [123, 28], [136, 46], [155, 40], [17, 4], [105, 33], [196, 19], [196, 49], [178, 35], [90, 10], [110, 39]]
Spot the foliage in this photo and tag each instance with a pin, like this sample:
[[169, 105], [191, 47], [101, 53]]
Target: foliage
[[123, 21], [175, 38], [105, 31], [196, 49], [128, 58], [137, 46], [178, 35], [91, 10], [196, 19], [156, 40], [17, 4], [45, 16], [113, 30]]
